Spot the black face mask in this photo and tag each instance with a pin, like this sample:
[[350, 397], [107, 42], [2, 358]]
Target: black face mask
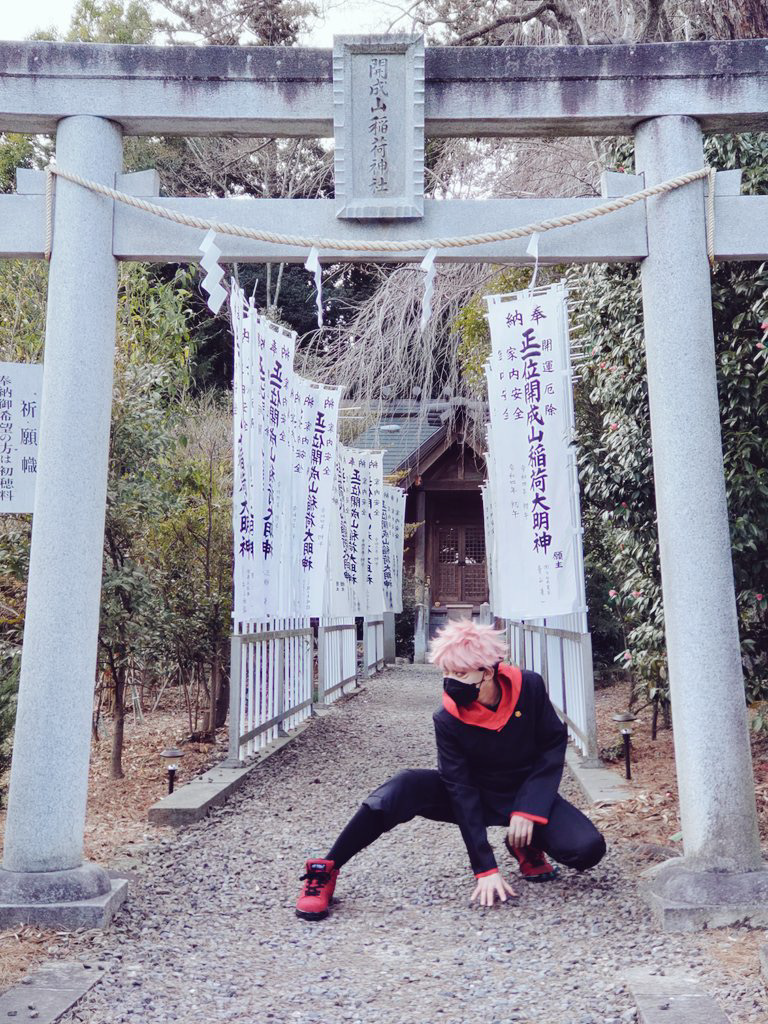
[[461, 693]]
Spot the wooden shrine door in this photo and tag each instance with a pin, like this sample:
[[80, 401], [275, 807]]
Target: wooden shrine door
[[460, 575]]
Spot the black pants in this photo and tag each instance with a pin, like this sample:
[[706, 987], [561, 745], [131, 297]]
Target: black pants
[[569, 837]]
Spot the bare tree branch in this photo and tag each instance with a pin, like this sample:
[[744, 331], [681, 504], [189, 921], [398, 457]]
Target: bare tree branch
[[567, 22], [507, 19], [403, 14]]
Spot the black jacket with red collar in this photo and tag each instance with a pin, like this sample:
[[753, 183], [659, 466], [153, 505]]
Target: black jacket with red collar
[[496, 763]]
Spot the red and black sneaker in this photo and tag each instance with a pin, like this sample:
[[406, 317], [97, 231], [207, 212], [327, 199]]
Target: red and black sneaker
[[317, 892], [534, 866]]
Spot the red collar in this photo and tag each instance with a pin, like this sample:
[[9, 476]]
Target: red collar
[[511, 680]]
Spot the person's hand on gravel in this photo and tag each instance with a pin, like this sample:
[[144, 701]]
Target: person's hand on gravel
[[520, 831], [489, 887]]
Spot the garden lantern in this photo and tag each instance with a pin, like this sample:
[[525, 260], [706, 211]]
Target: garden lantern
[[171, 757], [626, 735]]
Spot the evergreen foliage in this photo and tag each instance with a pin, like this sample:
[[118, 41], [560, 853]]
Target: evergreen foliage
[[615, 441], [111, 21], [167, 551]]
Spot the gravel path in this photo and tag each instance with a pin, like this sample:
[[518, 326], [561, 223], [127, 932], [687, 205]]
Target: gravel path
[[209, 933]]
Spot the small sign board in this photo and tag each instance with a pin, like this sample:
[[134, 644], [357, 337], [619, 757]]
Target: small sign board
[[21, 387], [378, 120]]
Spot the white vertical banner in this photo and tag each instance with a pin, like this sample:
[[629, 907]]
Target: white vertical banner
[[488, 491], [300, 426], [243, 514], [400, 548], [339, 589], [374, 567], [263, 371], [358, 526], [389, 567], [537, 551], [360, 485], [315, 499], [342, 560], [276, 347], [490, 544], [293, 420], [21, 385], [392, 537]]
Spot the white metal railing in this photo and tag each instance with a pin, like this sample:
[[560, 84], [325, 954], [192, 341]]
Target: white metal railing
[[336, 658], [271, 682], [373, 646], [560, 650]]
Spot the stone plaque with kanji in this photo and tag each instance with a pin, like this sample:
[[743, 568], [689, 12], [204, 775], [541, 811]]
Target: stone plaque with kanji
[[378, 94]]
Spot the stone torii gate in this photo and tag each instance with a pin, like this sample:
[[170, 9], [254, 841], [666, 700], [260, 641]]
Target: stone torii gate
[[666, 95]]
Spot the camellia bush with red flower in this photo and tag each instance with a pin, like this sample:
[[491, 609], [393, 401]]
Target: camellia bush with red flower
[[615, 439]]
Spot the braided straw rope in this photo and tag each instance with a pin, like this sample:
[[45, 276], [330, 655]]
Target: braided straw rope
[[711, 217], [410, 245]]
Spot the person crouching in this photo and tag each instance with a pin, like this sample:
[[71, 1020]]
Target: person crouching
[[500, 755]]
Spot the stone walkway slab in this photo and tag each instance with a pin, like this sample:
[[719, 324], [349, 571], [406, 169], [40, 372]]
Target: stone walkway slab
[[46, 995], [673, 1000], [599, 785], [194, 800]]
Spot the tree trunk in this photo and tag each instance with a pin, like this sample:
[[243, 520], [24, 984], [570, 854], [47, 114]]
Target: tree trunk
[[209, 725], [187, 700], [742, 19], [97, 714], [222, 704], [119, 723]]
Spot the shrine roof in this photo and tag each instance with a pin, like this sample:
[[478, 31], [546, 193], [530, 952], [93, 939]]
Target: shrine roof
[[401, 436]]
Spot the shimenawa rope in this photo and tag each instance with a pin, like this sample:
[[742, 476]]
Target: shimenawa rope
[[378, 246]]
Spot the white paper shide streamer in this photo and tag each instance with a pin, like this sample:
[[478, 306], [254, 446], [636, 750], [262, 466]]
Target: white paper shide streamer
[[214, 274], [428, 266], [533, 250], [313, 266]]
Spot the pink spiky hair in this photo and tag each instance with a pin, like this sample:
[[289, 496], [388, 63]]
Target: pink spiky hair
[[463, 646]]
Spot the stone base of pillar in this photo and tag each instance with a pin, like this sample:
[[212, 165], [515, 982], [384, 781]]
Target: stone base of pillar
[[84, 897], [764, 962], [389, 638], [683, 900], [419, 649], [421, 636]]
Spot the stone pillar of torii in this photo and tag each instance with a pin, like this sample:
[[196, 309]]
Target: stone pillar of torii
[[665, 93]]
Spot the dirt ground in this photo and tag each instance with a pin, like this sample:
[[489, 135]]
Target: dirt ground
[[116, 821], [648, 826]]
